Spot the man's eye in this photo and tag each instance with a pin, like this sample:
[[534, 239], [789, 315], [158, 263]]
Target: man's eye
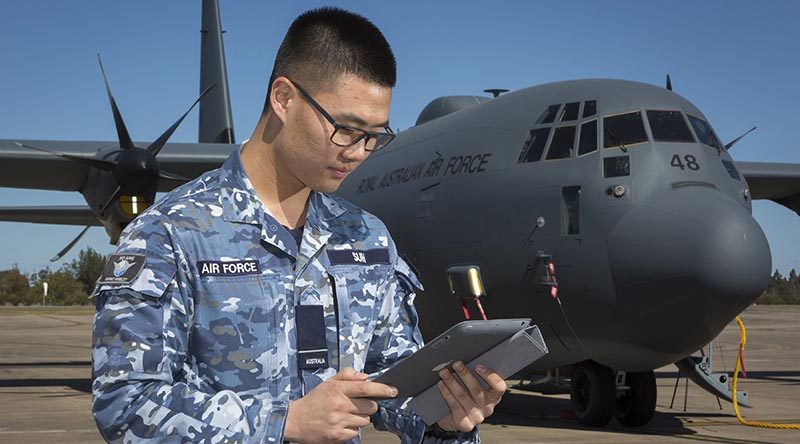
[[348, 131]]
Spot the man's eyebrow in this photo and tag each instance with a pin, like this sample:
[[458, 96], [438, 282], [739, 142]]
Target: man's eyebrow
[[350, 117]]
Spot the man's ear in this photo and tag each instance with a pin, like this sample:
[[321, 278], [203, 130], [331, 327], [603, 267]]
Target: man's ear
[[281, 97]]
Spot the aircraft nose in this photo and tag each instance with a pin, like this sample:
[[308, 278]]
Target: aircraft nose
[[684, 263]]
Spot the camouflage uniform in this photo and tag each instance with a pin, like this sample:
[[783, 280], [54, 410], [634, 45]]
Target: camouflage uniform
[[184, 356]]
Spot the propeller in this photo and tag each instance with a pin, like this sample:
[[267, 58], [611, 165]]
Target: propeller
[[70, 245], [135, 170], [669, 83], [100, 164], [733, 142], [122, 132]]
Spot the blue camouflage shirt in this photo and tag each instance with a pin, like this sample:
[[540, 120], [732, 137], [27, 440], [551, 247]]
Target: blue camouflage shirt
[[194, 337]]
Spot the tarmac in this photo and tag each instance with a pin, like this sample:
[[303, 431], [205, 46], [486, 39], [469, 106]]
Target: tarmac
[[45, 389]]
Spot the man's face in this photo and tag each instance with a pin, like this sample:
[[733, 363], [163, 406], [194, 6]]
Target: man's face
[[309, 154]]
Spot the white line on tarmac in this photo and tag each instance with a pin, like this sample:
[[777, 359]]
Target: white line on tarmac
[[9, 432]]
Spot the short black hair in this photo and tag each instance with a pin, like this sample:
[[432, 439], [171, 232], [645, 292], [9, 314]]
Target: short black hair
[[323, 44]]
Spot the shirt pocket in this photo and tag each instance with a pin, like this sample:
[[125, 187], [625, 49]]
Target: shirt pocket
[[357, 299], [238, 337], [130, 322]]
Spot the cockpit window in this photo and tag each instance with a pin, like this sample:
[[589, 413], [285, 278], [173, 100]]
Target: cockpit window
[[549, 114], [534, 145], [562, 144], [588, 141], [623, 129], [589, 108], [704, 132], [570, 112], [731, 169], [669, 126]]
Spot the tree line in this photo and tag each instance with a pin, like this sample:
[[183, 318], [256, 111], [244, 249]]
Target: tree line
[[74, 281], [69, 285], [781, 290]]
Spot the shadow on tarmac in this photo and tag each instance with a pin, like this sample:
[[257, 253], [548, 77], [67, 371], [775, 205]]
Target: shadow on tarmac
[[79, 384], [533, 410]]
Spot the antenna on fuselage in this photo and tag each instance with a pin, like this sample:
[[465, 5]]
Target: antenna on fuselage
[[495, 91], [669, 83]]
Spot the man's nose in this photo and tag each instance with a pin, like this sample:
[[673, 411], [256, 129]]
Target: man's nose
[[356, 152]]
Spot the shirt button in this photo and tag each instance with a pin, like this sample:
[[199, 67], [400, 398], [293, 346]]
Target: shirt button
[[273, 227]]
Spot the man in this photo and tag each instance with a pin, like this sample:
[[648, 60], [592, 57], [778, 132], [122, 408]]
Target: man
[[248, 304]]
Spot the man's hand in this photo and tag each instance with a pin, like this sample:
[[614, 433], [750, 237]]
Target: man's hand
[[335, 410], [469, 408]]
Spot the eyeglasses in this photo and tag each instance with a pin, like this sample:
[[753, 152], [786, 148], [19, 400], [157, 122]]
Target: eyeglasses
[[344, 135]]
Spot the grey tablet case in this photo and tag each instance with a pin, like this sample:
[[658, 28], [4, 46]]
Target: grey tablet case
[[464, 341], [507, 358]]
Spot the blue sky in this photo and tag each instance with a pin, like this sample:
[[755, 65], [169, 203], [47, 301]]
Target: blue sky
[[737, 61]]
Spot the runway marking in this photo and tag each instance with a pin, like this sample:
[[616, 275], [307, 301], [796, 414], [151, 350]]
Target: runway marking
[[74, 323], [9, 432]]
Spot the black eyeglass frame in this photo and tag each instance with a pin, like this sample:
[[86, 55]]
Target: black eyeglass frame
[[337, 126]]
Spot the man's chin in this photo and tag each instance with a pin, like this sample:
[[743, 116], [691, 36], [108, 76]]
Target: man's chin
[[327, 187]]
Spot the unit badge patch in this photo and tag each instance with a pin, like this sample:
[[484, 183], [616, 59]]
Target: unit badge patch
[[122, 269]]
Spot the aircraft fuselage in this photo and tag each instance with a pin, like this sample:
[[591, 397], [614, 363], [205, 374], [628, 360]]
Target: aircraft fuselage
[[654, 243]]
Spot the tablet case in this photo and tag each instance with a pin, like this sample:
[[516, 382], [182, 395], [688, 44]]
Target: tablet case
[[506, 358]]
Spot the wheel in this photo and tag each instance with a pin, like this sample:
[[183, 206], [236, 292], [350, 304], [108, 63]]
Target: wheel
[[638, 404], [592, 394]]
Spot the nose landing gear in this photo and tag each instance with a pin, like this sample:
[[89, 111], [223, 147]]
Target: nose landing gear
[[636, 405], [597, 396]]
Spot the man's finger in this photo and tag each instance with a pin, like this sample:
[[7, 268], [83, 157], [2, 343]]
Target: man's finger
[[497, 386], [456, 389], [350, 374], [474, 411], [457, 413], [476, 390], [364, 406], [367, 389], [357, 421]]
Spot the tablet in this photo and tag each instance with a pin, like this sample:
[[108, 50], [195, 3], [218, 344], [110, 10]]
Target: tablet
[[463, 342]]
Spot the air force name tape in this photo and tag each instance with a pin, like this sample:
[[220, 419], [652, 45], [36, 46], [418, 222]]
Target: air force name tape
[[228, 268], [122, 269], [359, 257]]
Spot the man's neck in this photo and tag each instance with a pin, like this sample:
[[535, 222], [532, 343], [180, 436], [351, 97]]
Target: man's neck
[[284, 196]]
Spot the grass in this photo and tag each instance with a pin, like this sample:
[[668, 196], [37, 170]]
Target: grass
[[47, 310]]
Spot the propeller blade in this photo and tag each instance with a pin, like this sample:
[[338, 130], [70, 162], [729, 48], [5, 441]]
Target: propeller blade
[[122, 132], [156, 146], [105, 165], [111, 200], [70, 245], [733, 142], [172, 176], [669, 83]]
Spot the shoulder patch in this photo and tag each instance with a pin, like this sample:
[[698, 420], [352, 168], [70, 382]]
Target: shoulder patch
[[122, 269]]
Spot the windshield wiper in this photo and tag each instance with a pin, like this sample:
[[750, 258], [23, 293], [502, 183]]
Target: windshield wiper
[[617, 141]]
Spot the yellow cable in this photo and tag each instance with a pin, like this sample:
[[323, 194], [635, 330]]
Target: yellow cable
[[769, 425]]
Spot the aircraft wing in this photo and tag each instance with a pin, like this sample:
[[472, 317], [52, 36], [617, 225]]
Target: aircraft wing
[[59, 215], [779, 182], [22, 167]]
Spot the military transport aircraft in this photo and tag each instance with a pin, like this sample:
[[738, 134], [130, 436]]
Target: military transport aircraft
[[607, 210]]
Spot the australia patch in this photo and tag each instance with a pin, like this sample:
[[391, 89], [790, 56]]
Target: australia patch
[[228, 268], [122, 269], [359, 257]]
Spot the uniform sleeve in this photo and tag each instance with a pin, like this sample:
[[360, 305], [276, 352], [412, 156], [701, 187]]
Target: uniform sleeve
[[143, 389], [397, 336]]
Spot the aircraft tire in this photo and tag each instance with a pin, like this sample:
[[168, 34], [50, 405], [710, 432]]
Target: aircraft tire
[[593, 394], [636, 406]]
